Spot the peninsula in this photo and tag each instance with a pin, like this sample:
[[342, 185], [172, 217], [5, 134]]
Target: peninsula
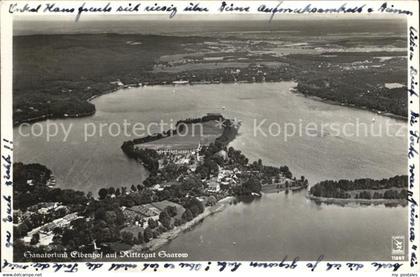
[[386, 191], [189, 179]]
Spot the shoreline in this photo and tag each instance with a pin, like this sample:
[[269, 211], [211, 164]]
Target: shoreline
[[165, 83], [49, 116], [352, 106], [339, 201], [170, 235], [267, 189]]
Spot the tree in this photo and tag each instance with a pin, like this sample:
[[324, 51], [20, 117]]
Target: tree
[[148, 234], [56, 239], [127, 200], [171, 211], [22, 229], [146, 196], [111, 190], [123, 190], [211, 201], [110, 217], [68, 235], [194, 205], [165, 219], [163, 195], [286, 172], [100, 213], [251, 185], [140, 237], [152, 223], [127, 237], [163, 214], [166, 222], [57, 231], [194, 210], [102, 193], [177, 222], [187, 215], [133, 188], [35, 239]]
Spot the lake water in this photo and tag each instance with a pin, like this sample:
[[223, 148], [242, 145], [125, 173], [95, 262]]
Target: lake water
[[276, 225], [279, 225]]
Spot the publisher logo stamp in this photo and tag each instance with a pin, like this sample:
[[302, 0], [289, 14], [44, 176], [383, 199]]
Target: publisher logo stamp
[[398, 245]]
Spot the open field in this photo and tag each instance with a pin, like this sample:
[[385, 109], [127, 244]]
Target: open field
[[198, 133]]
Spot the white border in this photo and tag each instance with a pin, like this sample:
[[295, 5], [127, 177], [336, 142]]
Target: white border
[[7, 131]]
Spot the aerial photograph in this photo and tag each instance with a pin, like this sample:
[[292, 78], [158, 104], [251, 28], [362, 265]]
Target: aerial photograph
[[149, 139]]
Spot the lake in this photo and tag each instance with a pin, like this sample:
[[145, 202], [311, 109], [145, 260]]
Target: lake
[[277, 224]]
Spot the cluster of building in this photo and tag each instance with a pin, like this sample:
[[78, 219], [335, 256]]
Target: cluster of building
[[137, 217], [225, 179], [44, 208], [188, 157], [62, 222], [140, 214], [46, 231]]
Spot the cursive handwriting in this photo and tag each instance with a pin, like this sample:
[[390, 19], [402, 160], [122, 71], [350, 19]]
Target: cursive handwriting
[[413, 82], [282, 264], [413, 44], [7, 164], [393, 266], [85, 9], [414, 139], [8, 204]]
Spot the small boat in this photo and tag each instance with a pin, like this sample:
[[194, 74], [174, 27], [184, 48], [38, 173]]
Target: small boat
[[234, 242], [180, 82], [51, 182]]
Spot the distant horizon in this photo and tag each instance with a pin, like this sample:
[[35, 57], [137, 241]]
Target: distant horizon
[[162, 25]]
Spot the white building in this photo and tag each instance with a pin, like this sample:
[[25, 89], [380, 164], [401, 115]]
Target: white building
[[213, 187]]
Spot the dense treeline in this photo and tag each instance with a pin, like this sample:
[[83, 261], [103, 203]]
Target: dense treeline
[[335, 74], [149, 157], [37, 173], [30, 188], [100, 220], [391, 188], [43, 106], [250, 186], [203, 119], [179, 127]]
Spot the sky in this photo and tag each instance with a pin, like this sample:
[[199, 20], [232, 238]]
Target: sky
[[180, 23]]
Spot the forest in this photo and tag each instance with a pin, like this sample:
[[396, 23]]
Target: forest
[[390, 188]]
